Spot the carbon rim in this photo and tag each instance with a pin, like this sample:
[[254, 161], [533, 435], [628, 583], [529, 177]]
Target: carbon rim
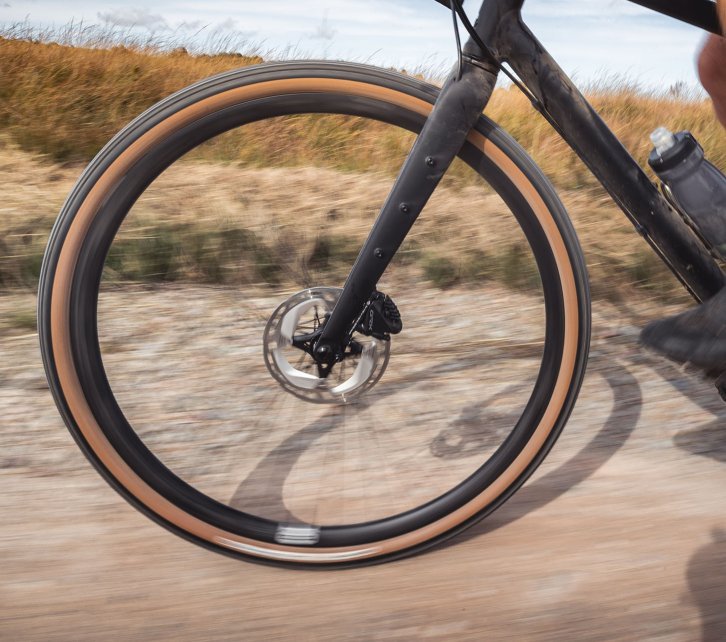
[[122, 437]]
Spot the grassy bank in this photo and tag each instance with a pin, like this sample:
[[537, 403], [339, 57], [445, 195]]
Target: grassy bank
[[59, 104], [67, 101]]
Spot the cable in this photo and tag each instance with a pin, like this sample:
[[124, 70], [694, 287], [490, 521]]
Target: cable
[[516, 81], [470, 28], [460, 61], [459, 8]]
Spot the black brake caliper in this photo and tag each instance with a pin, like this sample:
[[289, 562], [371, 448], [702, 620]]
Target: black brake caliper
[[381, 318]]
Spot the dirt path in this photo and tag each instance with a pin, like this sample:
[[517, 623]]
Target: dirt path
[[621, 534]]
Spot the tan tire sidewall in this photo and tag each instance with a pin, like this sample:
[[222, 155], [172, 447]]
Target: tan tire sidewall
[[159, 505]]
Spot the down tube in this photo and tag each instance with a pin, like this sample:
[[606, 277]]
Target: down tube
[[602, 152]]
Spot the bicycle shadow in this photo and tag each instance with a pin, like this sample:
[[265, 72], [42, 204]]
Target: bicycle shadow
[[615, 431], [708, 440], [263, 487]]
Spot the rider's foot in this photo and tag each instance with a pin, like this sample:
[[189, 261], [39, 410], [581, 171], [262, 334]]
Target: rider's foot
[[696, 337]]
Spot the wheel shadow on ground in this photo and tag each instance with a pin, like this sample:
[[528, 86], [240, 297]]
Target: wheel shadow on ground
[[708, 441], [263, 487], [623, 418]]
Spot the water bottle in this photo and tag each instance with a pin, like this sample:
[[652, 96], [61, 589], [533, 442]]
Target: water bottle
[[693, 185]]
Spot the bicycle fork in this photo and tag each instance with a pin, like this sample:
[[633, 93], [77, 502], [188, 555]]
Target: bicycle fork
[[458, 107]]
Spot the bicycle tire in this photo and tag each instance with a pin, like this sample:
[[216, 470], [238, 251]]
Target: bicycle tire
[[79, 245]]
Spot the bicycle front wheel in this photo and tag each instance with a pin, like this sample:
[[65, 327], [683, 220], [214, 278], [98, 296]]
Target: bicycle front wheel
[[213, 234]]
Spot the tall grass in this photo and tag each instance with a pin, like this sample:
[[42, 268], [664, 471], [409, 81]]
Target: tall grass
[[630, 111], [64, 94], [66, 100]]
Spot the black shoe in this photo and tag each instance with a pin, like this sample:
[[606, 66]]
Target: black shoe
[[696, 337]]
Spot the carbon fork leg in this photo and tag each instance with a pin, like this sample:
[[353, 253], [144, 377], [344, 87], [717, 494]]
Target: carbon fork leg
[[458, 107]]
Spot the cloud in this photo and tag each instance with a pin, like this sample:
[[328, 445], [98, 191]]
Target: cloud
[[131, 17]]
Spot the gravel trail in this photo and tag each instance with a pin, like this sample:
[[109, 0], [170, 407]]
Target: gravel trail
[[620, 535]]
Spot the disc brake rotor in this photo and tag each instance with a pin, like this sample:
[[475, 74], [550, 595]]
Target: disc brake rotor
[[296, 370]]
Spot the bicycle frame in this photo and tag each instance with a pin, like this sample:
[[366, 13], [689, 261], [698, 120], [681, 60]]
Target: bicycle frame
[[508, 41]]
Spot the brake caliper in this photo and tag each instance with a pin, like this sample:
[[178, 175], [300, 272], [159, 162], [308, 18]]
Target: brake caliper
[[381, 318]]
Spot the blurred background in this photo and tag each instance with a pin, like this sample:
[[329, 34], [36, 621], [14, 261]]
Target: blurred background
[[620, 535]]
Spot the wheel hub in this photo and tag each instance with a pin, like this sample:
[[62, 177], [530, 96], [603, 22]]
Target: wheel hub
[[288, 343]]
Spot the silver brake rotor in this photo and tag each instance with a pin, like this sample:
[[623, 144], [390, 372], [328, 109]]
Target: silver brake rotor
[[296, 371]]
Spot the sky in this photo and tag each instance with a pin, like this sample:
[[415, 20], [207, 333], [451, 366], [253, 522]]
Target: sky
[[593, 40]]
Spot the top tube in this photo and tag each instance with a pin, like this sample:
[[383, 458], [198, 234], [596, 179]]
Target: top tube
[[699, 13]]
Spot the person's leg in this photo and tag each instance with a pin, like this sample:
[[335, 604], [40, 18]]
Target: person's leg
[[696, 337], [712, 72]]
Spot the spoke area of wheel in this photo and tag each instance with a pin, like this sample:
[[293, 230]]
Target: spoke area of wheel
[[424, 427], [218, 380]]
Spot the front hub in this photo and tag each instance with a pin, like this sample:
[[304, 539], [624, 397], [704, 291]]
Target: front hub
[[289, 345]]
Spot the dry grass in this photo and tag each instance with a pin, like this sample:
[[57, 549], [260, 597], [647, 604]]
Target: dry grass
[[67, 101], [631, 113], [60, 103], [223, 223]]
